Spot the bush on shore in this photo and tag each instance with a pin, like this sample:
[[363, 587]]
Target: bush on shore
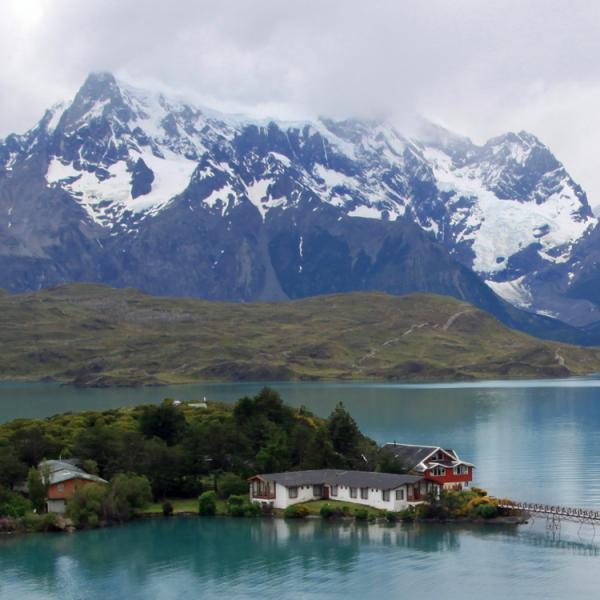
[[361, 514], [295, 511], [207, 504], [121, 500]]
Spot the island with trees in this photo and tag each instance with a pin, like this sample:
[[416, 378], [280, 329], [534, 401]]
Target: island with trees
[[193, 458]]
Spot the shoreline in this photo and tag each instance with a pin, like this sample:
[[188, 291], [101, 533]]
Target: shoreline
[[500, 521], [459, 382]]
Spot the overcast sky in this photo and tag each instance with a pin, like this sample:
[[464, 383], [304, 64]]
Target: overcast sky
[[479, 67]]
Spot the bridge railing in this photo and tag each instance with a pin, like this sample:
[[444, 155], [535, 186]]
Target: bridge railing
[[550, 509]]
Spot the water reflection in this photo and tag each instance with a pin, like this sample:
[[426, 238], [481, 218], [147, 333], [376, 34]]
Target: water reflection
[[143, 559]]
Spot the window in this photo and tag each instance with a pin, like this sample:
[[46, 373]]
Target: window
[[333, 490], [461, 470], [399, 494], [61, 487], [293, 492], [364, 493], [438, 472], [385, 495], [352, 492], [317, 490]]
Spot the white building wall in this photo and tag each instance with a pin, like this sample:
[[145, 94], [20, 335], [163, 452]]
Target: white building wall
[[375, 497], [56, 506]]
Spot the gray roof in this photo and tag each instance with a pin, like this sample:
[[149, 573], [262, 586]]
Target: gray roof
[[382, 481], [64, 470], [410, 456]]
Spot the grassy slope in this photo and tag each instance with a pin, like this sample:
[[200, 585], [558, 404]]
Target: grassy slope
[[98, 335]]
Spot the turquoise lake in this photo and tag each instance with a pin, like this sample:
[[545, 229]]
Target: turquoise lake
[[531, 440]]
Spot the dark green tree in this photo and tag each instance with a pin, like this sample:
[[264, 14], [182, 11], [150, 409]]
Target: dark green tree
[[343, 431], [165, 421], [32, 445], [37, 487], [12, 469]]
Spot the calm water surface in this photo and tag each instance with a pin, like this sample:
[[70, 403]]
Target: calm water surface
[[530, 440], [275, 559]]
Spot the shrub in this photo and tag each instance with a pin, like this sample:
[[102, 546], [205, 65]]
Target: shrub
[[346, 511], [8, 525], [207, 504], [236, 505], [232, 484], [391, 517], [252, 509], [13, 504], [167, 509], [487, 511], [86, 506], [128, 494], [407, 515], [326, 511], [295, 511], [39, 523], [361, 514]]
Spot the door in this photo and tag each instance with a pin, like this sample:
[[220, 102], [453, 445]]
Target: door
[[326, 492]]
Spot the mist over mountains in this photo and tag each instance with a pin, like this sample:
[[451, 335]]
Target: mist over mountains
[[128, 187]]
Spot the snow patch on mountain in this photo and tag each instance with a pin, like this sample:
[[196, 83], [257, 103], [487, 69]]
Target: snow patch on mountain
[[515, 292], [501, 227]]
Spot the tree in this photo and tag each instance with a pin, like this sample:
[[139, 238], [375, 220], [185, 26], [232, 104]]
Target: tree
[[32, 445], [102, 444], [388, 462], [232, 484], [165, 421], [320, 453], [86, 505], [13, 504], [343, 431], [12, 469], [127, 495], [37, 489]]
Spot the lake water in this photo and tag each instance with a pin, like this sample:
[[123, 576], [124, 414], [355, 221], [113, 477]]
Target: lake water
[[276, 559], [531, 440]]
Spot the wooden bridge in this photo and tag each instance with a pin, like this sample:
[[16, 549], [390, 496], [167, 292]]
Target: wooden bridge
[[554, 514]]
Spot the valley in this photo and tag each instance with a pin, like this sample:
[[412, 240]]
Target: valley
[[94, 335]]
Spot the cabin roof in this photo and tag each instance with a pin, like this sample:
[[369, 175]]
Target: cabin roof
[[60, 471], [383, 481]]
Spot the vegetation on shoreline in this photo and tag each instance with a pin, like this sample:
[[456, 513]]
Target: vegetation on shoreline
[[202, 456], [96, 335], [172, 450]]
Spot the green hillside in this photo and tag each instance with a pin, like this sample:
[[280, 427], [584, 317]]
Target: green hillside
[[96, 335]]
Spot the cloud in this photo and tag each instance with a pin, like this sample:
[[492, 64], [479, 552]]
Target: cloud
[[478, 67]]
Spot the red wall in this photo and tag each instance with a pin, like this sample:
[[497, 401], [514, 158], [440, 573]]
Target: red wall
[[69, 488], [450, 477]]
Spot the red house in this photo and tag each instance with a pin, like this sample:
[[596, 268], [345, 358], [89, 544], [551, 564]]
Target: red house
[[63, 477], [438, 464]]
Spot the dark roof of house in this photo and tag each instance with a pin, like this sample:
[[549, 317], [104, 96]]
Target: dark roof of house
[[410, 456], [382, 481]]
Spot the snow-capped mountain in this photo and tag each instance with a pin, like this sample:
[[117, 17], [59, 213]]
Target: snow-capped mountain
[[130, 187]]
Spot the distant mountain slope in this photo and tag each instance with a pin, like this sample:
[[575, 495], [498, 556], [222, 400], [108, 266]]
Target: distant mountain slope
[[127, 187], [95, 335]]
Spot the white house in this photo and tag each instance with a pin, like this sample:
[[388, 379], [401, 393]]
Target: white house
[[386, 491]]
